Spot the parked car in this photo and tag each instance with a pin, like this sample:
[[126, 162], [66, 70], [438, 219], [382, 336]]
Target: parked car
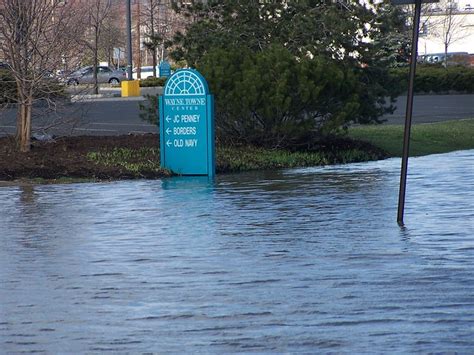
[[145, 72], [454, 58], [104, 75]]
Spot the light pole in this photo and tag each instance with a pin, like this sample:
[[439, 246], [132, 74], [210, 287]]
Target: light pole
[[129, 40], [409, 109]]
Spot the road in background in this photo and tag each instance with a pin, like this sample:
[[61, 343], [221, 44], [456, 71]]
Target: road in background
[[433, 108], [104, 116], [115, 115]]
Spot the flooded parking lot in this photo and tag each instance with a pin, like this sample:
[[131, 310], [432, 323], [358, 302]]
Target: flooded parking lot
[[298, 260]]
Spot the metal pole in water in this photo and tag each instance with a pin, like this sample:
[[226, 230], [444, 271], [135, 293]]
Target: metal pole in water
[[129, 40], [406, 137]]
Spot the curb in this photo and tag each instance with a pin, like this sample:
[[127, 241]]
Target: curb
[[103, 98]]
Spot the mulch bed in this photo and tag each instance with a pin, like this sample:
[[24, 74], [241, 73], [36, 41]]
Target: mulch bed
[[66, 157]]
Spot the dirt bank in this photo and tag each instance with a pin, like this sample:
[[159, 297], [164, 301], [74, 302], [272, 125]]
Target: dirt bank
[[137, 156], [67, 157]]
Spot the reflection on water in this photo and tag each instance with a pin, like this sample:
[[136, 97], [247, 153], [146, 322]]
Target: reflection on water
[[290, 261]]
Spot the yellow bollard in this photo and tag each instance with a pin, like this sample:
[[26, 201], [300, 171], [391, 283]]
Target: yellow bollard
[[130, 88]]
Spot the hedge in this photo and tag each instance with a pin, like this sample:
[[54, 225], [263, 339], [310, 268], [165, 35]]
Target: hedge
[[50, 89], [437, 79], [7, 87], [153, 82]]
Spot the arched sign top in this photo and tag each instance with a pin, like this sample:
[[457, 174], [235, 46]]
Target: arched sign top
[[186, 82]]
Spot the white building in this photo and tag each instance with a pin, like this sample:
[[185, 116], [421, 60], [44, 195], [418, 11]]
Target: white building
[[453, 20]]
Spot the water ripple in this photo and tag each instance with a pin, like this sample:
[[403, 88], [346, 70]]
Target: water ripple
[[302, 260]]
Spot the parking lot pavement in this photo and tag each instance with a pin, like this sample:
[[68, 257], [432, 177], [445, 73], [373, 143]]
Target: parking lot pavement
[[85, 92], [433, 108], [111, 115], [98, 116]]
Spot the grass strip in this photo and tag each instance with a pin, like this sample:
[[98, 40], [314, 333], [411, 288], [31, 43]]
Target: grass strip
[[145, 161], [138, 162], [425, 139], [235, 159], [430, 138]]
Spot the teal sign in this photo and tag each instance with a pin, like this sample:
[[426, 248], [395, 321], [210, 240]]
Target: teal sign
[[187, 125], [165, 69]]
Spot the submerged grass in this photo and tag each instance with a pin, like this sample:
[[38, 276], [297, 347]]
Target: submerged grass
[[250, 158], [382, 141], [138, 162], [146, 161], [432, 138], [89, 159]]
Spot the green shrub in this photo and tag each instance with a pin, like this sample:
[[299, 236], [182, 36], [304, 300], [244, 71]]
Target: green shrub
[[153, 82], [461, 79], [7, 87], [50, 89], [437, 79], [272, 98], [149, 109]]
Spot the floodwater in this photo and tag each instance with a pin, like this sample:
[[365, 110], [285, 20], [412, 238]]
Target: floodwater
[[305, 260]]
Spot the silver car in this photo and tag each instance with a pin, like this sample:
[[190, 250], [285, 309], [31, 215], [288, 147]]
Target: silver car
[[104, 75]]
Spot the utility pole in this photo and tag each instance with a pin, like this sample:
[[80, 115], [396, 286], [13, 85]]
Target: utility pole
[[129, 40], [409, 109], [152, 25], [139, 52]]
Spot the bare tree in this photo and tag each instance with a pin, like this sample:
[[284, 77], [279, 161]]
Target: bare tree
[[153, 40], [34, 34], [97, 13], [112, 35], [450, 28], [161, 22], [446, 22]]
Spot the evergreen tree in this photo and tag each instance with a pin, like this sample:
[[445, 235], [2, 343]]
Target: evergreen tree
[[349, 39]]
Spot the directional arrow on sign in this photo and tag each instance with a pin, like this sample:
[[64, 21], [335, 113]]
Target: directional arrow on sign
[[168, 143], [168, 131], [168, 118]]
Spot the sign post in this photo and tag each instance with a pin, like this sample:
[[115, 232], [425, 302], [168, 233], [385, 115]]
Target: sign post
[[409, 109], [165, 69], [187, 125]]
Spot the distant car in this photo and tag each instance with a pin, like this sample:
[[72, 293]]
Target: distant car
[[145, 72], [104, 75], [454, 58]]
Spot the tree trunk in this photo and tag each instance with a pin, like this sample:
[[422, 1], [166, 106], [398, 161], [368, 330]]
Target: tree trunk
[[23, 134], [96, 61], [445, 55], [154, 61]]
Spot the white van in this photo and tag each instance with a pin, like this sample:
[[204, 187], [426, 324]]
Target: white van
[[145, 72]]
